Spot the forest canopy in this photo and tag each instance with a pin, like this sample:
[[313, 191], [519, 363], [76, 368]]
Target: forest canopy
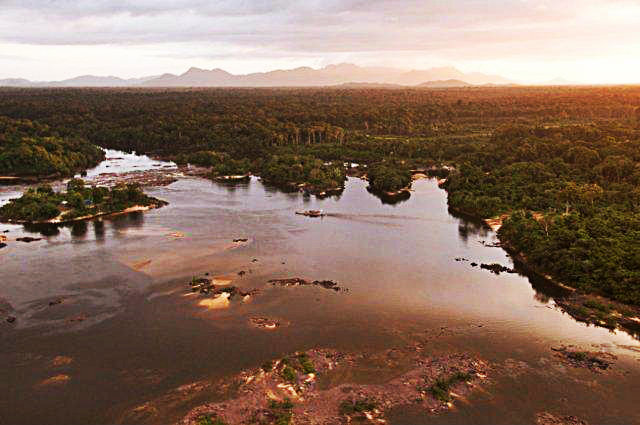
[[32, 149], [560, 164]]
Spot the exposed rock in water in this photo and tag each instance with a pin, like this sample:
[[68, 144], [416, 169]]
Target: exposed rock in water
[[496, 268], [491, 244], [311, 213], [265, 323], [55, 380], [28, 239], [592, 360], [315, 387], [206, 286], [599, 311], [546, 418], [2, 245], [241, 240], [11, 319], [296, 281], [154, 177], [59, 361]]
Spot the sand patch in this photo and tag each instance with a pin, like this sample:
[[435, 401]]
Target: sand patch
[[221, 280], [140, 264], [55, 380], [221, 301], [59, 361]]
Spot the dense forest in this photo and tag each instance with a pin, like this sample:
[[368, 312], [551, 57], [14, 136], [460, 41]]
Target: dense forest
[[561, 164], [31, 149]]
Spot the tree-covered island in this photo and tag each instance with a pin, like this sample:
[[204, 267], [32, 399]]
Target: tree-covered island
[[43, 205]]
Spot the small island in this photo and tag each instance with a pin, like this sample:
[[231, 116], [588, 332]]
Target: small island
[[390, 181], [79, 202], [305, 173]]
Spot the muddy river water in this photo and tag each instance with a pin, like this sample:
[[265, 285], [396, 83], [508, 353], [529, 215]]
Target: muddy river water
[[104, 306]]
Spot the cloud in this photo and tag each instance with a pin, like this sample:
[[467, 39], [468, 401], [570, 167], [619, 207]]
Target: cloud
[[323, 30], [322, 26]]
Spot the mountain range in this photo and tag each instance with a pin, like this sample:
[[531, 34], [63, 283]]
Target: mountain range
[[341, 74]]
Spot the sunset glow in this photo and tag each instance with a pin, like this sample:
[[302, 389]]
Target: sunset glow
[[588, 41]]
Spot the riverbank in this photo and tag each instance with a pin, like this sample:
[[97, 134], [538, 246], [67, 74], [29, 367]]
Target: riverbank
[[590, 308], [61, 220]]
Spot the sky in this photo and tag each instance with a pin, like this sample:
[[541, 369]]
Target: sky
[[582, 41]]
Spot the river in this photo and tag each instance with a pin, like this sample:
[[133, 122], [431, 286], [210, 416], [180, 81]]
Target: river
[[112, 296]]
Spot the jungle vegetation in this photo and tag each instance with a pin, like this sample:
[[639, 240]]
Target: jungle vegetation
[[43, 203], [561, 164], [31, 149]]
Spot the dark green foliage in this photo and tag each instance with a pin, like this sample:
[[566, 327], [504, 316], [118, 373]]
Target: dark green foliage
[[281, 411], [231, 167], [442, 387], [350, 407], [31, 149], [202, 158], [299, 169], [208, 420], [578, 355], [289, 374], [596, 252], [43, 203], [593, 304], [305, 363], [388, 177], [33, 205], [285, 404]]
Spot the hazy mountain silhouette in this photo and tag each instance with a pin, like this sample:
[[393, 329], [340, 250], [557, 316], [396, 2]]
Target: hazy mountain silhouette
[[330, 75]]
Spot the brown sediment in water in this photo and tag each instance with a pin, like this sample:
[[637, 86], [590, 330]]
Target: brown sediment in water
[[596, 361], [59, 361], [315, 387], [140, 264], [546, 418]]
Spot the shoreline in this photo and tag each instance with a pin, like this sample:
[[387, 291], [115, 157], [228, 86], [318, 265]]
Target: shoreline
[[58, 220], [591, 308]]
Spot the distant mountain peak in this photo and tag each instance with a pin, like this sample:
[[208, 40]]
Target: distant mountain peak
[[329, 75]]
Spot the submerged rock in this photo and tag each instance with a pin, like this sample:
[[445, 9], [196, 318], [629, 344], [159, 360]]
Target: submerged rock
[[592, 360], [296, 281], [546, 418], [496, 268], [28, 239], [265, 323]]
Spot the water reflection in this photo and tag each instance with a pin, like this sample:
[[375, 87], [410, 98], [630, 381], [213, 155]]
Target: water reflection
[[79, 230], [397, 261], [43, 229], [390, 199], [98, 230]]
